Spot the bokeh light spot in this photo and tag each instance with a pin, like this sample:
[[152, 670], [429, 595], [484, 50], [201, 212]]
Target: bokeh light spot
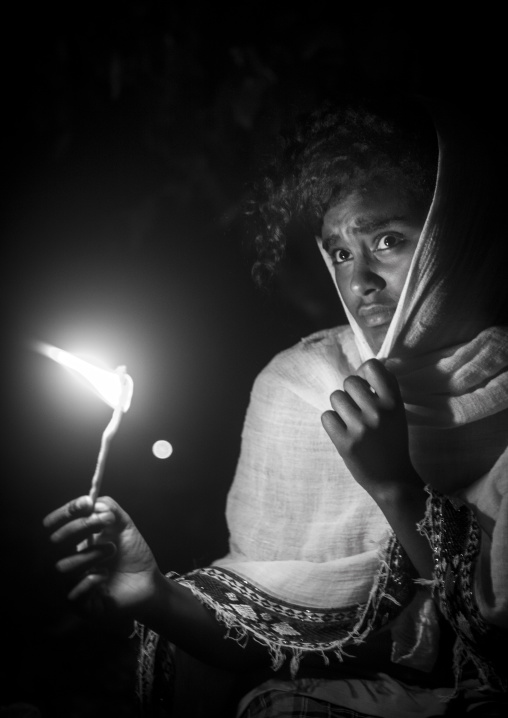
[[162, 449]]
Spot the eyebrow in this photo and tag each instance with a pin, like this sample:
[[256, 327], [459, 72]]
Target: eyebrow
[[365, 226]]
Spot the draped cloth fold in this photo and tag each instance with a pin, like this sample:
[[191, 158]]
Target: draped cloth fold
[[303, 534], [293, 499]]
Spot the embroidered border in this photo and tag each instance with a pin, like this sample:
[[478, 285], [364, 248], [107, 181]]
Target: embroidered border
[[287, 630], [454, 535]]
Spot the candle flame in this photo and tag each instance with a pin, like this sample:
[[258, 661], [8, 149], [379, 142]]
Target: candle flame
[[113, 387]]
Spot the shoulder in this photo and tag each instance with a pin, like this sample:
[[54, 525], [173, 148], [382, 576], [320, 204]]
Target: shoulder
[[321, 347], [312, 368]]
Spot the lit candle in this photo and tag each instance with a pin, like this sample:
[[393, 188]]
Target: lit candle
[[113, 387]]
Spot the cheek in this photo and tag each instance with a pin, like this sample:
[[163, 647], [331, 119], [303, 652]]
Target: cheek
[[395, 277], [343, 282]]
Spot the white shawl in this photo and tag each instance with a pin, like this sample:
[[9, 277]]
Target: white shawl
[[301, 528], [303, 534]]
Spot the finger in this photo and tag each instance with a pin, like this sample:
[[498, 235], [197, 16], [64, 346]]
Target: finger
[[346, 408], [362, 394], [86, 559], [109, 505], [81, 506], [89, 582], [382, 381], [79, 529], [334, 427]]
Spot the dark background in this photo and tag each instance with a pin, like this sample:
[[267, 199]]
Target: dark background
[[130, 133]]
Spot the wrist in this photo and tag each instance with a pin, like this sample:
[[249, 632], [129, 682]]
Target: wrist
[[407, 488], [156, 594]]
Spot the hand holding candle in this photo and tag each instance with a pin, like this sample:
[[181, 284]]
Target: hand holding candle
[[117, 575]]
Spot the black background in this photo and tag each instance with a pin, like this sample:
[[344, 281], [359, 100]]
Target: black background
[[130, 131]]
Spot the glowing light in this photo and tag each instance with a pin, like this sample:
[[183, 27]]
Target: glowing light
[[162, 449], [113, 387]]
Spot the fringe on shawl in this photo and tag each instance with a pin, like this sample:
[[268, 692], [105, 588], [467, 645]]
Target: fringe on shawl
[[368, 617], [395, 573]]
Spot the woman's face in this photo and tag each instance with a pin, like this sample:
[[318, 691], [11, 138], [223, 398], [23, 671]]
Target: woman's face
[[371, 237]]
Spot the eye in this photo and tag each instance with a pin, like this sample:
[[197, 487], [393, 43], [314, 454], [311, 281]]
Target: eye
[[388, 241], [340, 256]]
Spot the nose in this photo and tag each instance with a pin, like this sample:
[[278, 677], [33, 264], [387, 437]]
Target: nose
[[365, 280]]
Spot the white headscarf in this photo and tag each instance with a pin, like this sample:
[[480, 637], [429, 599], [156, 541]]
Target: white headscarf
[[452, 364], [302, 531], [304, 537]]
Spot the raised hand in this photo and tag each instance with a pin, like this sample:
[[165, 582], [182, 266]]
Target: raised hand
[[368, 426], [369, 429]]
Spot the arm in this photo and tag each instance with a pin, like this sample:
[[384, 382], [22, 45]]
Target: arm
[[369, 430], [117, 576]]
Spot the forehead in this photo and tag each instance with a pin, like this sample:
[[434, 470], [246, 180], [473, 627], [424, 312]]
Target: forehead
[[363, 212]]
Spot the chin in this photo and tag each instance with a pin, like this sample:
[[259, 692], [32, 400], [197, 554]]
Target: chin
[[376, 336]]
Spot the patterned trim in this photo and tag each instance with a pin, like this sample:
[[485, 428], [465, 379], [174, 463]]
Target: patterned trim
[[454, 535], [287, 630]]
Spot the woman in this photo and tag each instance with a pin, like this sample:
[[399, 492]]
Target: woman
[[335, 552]]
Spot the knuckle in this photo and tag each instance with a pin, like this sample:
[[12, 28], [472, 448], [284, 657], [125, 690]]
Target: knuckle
[[89, 522], [346, 444], [79, 506], [361, 432], [355, 435], [350, 381], [107, 519]]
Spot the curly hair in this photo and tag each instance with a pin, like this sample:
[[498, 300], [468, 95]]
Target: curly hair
[[333, 152]]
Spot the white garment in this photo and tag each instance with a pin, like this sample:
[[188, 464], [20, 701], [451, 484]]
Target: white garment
[[301, 529]]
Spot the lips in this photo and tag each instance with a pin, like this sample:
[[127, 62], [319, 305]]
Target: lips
[[375, 315]]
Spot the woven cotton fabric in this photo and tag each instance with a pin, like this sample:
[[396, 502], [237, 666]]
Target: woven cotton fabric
[[303, 534]]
